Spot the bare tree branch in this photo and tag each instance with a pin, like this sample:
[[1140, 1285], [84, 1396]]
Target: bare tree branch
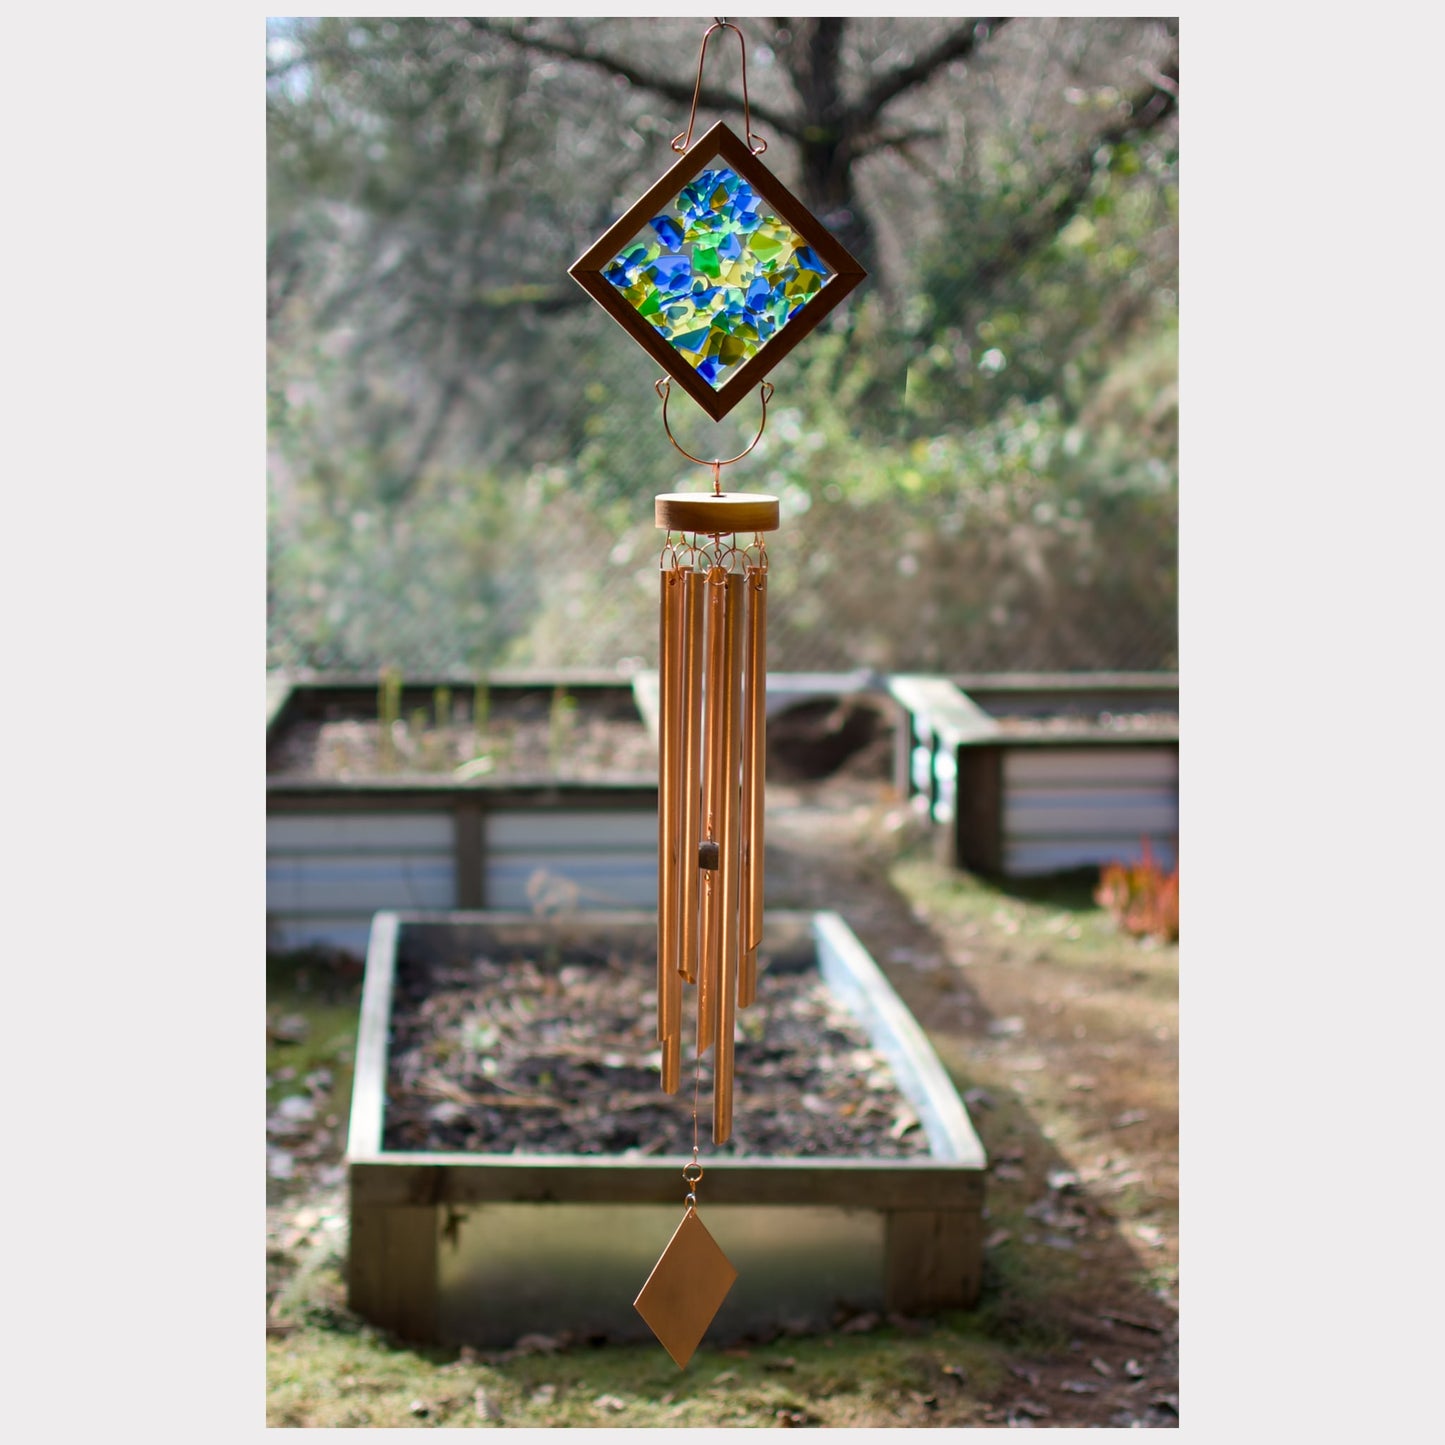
[[956, 46], [546, 299], [882, 139], [667, 88]]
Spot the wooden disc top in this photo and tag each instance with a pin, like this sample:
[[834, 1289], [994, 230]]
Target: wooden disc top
[[703, 512]]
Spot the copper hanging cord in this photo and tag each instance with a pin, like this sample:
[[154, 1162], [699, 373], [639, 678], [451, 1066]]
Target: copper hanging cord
[[680, 142]]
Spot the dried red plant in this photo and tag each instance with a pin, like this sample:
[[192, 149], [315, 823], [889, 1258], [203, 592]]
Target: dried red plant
[[1141, 896]]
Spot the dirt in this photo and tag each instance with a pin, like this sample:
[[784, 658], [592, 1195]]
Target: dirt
[[538, 734], [1106, 724], [491, 1055]]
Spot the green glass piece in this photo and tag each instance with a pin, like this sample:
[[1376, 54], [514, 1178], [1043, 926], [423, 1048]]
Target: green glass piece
[[766, 246]]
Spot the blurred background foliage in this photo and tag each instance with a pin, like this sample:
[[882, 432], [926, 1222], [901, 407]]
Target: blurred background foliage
[[976, 454]]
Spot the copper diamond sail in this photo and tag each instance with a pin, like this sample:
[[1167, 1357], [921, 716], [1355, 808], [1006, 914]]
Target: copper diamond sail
[[685, 1289]]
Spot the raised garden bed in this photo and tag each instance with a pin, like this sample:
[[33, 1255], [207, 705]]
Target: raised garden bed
[[514, 1169], [533, 792], [1037, 775]]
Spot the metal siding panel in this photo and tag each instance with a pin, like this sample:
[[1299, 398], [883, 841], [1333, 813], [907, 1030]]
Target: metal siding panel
[[1065, 812], [576, 880], [341, 884], [1051, 856], [537, 831], [358, 832], [1089, 766]]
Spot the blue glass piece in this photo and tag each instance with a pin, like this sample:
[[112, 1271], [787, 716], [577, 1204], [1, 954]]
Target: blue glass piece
[[668, 231], [693, 341], [666, 270], [809, 259], [707, 368]]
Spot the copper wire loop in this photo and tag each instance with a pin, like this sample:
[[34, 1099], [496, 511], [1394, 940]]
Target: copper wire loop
[[707, 550], [680, 142], [663, 387]]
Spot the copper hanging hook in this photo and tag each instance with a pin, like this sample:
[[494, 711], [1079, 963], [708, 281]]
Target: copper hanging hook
[[686, 138], [663, 387]]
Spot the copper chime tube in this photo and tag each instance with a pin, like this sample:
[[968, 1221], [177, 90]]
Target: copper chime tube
[[689, 829], [714, 787], [754, 727], [669, 984], [728, 864], [712, 674]]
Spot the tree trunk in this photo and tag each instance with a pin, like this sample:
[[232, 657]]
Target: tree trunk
[[812, 57]]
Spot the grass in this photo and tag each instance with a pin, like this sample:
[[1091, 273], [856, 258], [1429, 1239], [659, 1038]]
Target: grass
[[334, 1371], [325, 994]]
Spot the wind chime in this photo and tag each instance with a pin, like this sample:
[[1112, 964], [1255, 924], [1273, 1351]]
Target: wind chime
[[718, 271]]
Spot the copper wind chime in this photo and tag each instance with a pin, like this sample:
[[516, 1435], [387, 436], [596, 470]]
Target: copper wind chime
[[718, 271]]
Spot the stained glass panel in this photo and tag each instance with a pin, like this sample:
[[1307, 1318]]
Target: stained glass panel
[[717, 273]]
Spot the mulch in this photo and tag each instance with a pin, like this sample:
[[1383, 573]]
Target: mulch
[[559, 1055]]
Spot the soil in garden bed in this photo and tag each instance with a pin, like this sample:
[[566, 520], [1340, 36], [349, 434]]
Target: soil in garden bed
[[541, 733], [1125, 724], [547, 1055]]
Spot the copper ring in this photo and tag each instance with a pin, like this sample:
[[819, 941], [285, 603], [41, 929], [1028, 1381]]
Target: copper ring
[[663, 387]]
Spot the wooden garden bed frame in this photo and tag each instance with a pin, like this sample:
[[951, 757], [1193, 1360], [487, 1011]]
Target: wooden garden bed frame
[[407, 1208], [1094, 795], [443, 834]]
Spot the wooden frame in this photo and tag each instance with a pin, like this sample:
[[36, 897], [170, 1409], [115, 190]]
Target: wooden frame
[[718, 143]]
